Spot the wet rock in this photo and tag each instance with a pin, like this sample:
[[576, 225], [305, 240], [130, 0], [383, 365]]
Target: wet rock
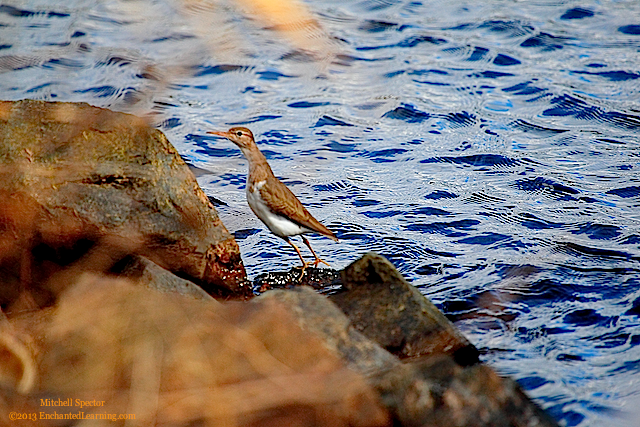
[[386, 308], [177, 361], [84, 187], [323, 280]]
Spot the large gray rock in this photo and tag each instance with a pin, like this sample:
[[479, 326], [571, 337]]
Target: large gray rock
[[84, 187], [386, 308]]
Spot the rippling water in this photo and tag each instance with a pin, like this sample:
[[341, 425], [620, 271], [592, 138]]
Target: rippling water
[[490, 149]]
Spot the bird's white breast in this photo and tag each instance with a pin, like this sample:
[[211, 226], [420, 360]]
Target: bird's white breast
[[279, 225]]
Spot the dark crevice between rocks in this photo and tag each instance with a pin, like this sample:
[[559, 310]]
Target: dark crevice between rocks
[[467, 355], [115, 181]]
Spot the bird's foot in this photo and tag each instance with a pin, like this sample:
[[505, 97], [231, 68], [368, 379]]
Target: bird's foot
[[303, 269], [318, 261]]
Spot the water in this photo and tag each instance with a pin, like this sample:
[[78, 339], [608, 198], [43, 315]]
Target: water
[[490, 149]]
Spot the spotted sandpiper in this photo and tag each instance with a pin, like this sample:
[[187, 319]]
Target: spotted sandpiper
[[271, 200]]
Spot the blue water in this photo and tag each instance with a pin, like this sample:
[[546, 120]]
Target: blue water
[[490, 149]]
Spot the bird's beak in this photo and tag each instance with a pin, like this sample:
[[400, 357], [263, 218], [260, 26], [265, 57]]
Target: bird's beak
[[219, 133]]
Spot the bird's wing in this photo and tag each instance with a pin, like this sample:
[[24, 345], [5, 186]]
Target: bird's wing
[[281, 199]]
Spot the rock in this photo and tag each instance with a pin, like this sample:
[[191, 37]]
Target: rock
[[177, 361], [144, 272], [433, 390], [289, 357], [84, 187], [387, 309], [323, 280], [318, 315], [437, 392]]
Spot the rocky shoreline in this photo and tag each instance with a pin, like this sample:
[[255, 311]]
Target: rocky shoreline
[[121, 285]]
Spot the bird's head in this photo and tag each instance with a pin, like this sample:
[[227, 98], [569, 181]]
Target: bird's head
[[240, 136]]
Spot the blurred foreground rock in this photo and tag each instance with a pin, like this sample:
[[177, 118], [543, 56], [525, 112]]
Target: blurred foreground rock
[[83, 188], [177, 361]]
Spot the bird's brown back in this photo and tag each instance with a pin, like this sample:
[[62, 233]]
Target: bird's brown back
[[281, 200]]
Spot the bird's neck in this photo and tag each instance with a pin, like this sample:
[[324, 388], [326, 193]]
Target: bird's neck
[[259, 169]]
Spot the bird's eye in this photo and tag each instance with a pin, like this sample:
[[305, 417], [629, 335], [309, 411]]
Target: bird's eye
[[239, 133]]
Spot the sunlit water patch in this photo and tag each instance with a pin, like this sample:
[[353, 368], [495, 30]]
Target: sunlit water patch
[[490, 150]]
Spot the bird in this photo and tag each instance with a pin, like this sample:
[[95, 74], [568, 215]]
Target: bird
[[272, 202]]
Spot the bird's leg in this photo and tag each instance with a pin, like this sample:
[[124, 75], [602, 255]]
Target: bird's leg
[[318, 260], [305, 264]]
